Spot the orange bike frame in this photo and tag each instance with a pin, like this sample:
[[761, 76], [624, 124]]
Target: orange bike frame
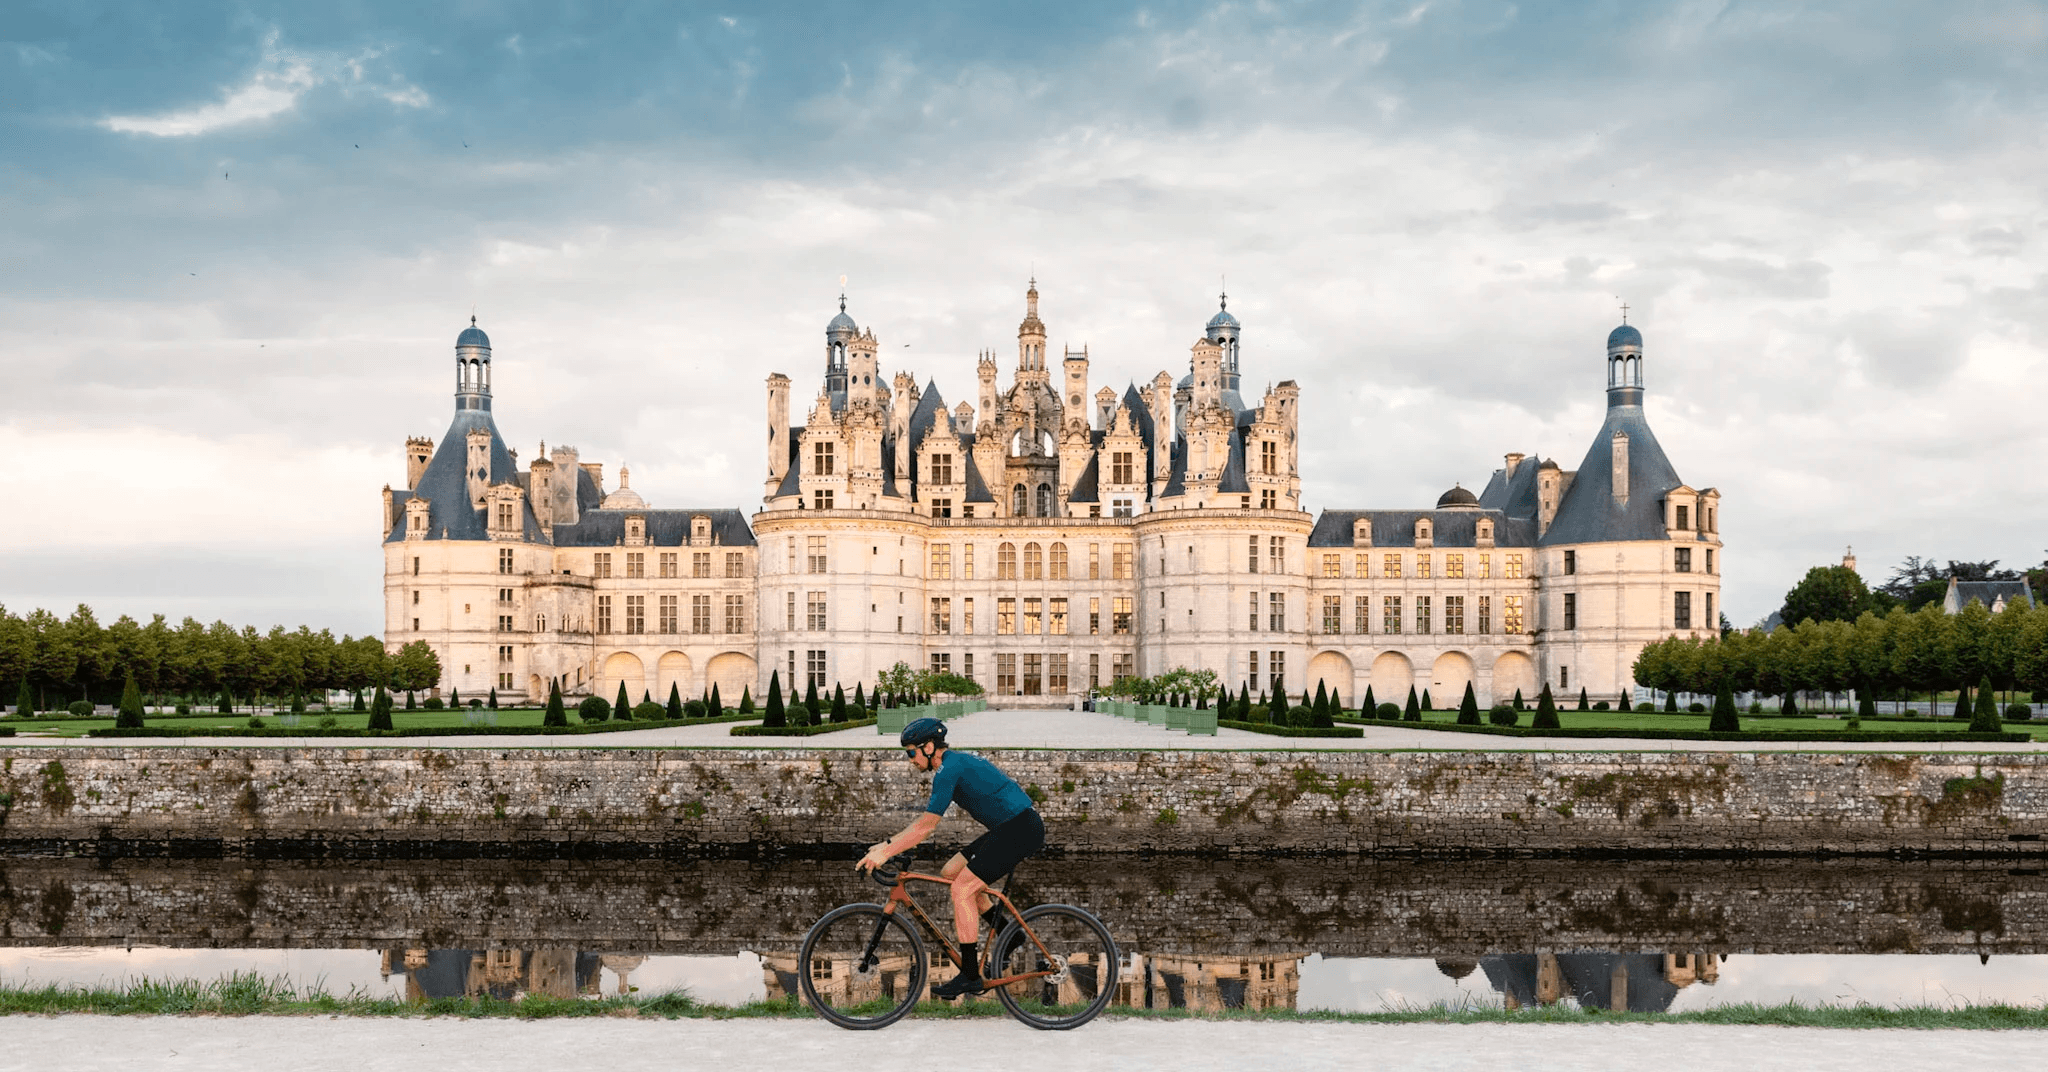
[[899, 896]]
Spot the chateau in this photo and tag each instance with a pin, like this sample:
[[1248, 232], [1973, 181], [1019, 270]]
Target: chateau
[[1046, 538]]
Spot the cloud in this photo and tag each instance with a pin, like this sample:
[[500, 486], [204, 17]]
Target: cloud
[[280, 79]]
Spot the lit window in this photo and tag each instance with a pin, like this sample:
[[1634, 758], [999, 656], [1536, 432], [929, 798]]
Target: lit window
[[1454, 566], [636, 614], [1511, 614], [1034, 616], [942, 562], [1034, 562], [1333, 565], [735, 614], [1512, 567], [1333, 613], [1276, 612], [1485, 566], [1390, 566], [636, 564], [700, 563], [668, 564], [1422, 616], [1120, 562], [1454, 614], [1056, 617], [1120, 615], [1390, 614], [942, 614], [1056, 562], [1361, 617], [667, 622], [1006, 616], [1485, 614], [1006, 562]]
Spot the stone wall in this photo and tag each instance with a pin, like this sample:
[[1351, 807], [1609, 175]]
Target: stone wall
[[690, 801]]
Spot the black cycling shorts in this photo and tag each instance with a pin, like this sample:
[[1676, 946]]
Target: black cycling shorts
[[998, 852]]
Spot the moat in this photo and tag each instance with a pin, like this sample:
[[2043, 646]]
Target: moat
[[1342, 934]]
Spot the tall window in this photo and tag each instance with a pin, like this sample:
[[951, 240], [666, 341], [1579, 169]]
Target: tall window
[[1006, 562], [1253, 622], [1006, 616], [1454, 566], [504, 595], [1269, 458], [1571, 562], [942, 507], [942, 562], [505, 515], [1094, 616], [636, 614], [1120, 562], [1120, 615], [1056, 562], [1390, 566], [1390, 614], [942, 468], [1120, 467], [1684, 517], [1006, 674], [1485, 566], [1681, 608], [700, 614], [668, 564], [1094, 561], [1034, 674], [668, 614], [1422, 614], [1485, 614], [1045, 500], [1571, 610], [967, 619], [603, 565], [1511, 614], [735, 614], [1681, 558], [1276, 670], [1122, 666], [791, 607], [1276, 612], [1710, 560], [814, 614], [1251, 554], [1056, 616], [1034, 616], [1252, 666], [821, 459], [1707, 620], [1512, 567], [967, 562], [1333, 614], [1333, 565], [1034, 562], [1361, 614], [504, 560], [1056, 673], [1276, 554], [814, 668], [735, 563], [816, 546], [636, 564], [967, 666], [1454, 614], [604, 614], [700, 563], [1422, 566], [942, 614], [1020, 500]]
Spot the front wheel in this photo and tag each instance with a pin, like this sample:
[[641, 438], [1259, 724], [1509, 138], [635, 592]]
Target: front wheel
[[1074, 960], [861, 968]]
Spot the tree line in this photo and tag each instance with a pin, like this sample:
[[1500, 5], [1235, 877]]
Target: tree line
[[54, 661], [1893, 655]]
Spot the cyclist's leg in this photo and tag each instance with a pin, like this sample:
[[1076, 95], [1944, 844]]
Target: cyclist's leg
[[956, 866]]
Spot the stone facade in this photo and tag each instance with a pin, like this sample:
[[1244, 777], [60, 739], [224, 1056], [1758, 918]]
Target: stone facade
[[1045, 541]]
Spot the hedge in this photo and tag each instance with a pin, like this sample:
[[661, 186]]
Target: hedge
[[800, 731], [418, 731], [1824, 736], [1292, 731]]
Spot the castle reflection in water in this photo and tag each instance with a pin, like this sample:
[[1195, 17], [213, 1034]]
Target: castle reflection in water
[[1633, 982]]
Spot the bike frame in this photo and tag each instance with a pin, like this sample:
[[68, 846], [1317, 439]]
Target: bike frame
[[899, 898]]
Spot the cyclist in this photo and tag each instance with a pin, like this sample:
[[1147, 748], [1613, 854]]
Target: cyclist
[[1015, 831]]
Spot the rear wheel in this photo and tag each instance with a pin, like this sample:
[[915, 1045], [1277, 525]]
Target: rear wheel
[[861, 968], [1078, 959]]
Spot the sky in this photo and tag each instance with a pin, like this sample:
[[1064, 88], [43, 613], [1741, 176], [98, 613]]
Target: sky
[[237, 241]]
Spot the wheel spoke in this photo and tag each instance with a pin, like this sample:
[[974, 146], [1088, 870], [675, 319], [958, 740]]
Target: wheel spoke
[[858, 967], [1077, 957]]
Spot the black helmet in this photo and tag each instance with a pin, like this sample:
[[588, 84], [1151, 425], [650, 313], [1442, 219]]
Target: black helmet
[[921, 730]]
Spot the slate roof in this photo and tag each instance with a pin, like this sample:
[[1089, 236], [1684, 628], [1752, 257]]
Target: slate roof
[[1589, 512], [1516, 496], [790, 476], [1396, 528], [977, 489], [1961, 593], [445, 484], [665, 528], [1085, 488]]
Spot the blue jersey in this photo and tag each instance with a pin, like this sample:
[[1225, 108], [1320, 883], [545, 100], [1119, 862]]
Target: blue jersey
[[986, 793]]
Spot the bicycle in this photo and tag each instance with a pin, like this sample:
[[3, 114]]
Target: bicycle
[[863, 967]]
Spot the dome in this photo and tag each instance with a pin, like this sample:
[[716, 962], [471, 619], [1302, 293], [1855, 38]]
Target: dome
[[625, 499], [1456, 497], [1625, 335], [1222, 319], [473, 336], [842, 322]]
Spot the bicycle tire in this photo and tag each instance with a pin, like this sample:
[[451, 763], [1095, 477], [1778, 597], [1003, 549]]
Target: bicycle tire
[[1086, 980], [861, 994]]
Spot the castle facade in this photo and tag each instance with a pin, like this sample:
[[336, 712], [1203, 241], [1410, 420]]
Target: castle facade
[[1046, 538]]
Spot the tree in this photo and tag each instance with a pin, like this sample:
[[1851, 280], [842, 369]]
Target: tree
[[1468, 707], [1426, 704], [24, 700], [1546, 712], [1789, 705], [746, 699], [1413, 712], [839, 703], [775, 715], [556, 714], [860, 698], [494, 698], [1583, 705], [1985, 720], [1725, 719], [1827, 594], [227, 703], [380, 710], [130, 717], [716, 709], [622, 708], [1368, 707], [415, 668]]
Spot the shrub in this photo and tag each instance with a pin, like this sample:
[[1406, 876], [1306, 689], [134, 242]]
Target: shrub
[[477, 705], [746, 699], [329, 722], [1582, 698], [131, 706], [1388, 712], [1368, 707], [1519, 704], [693, 709], [839, 703], [1696, 708], [255, 723], [775, 715], [1647, 706], [1468, 707], [811, 704], [1986, 718], [1412, 712], [184, 709], [298, 703], [2019, 712], [1756, 707], [227, 703], [594, 709], [79, 707], [1303, 715], [359, 704], [1724, 720], [1963, 703], [1257, 714], [380, 710], [434, 703], [1671, 702], [24, 700], [1546, 712], [1789, 705], [1866, 705], [1276, 711], [675, 708], [622, 708], [649, 711], [1502, 715], [454, 700], [1600, 705], [494, 698], [1855, 723], [409, 704], [556, 715], [1426, 704]]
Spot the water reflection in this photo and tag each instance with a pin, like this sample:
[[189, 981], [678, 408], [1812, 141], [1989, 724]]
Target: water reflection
[[1620, 982], [508, 974]]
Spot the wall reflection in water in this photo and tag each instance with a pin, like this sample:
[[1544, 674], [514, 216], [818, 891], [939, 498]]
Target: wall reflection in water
[[507, 974], [1620, 982], [1143, 982]]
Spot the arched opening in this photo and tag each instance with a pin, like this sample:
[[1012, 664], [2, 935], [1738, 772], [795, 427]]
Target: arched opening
[[536, 690], [1392, 676], [673, 669], [1333, 670], [622, 667], [1045, 500], [1512, 671], [1448, 678], [733, 673], [1019, 502], [1034, 562]]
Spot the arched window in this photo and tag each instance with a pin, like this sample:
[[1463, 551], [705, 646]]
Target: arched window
[[1058, 563], [1006, 562], [1020, 501], [1045, 500], [1034, 562]]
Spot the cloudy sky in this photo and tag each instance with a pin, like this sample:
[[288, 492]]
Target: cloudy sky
[[237, 242]]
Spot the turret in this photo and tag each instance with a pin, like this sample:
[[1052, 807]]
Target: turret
[[840, 333], [473, 369], [985, 375], [1031, 341], [419, 450], [778, 432], [1223, 331], [1075, 394], [1624, 367]]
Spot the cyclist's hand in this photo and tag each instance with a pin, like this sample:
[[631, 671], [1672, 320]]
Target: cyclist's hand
[[876, 857]]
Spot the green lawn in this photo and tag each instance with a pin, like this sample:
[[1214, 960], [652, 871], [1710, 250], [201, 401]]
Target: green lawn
[[1658, 720], [310, 722]]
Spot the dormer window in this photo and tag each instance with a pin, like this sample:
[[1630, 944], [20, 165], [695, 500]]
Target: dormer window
[[416, 517], [636, 530], [1361, 532], [1423, 537], [700, 529]]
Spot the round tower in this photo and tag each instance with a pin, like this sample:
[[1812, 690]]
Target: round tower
[[473, 368], [1624, 367]]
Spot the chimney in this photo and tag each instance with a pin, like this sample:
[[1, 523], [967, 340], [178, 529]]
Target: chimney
[[1621, 468], [418, 451], [1514, 462], [479, 471]]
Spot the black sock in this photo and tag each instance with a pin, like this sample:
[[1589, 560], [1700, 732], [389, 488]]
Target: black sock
[[970, 964]]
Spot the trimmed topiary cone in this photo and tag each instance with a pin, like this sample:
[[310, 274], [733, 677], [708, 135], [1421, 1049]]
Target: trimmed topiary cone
[[746, 699], [1520, 704], [1546, 712], [1986, 718], [1413, 712], [130, 717], [1725, 719], [1963, 702], [775, 714], [622, 708], [716, 708], [24, 700], [1583, 706], [494, 699], [1368, 707], [556, 715], [839, 703], [1426, 704], [812, 707], [674, 709], [380, 710], [1468, 708]]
